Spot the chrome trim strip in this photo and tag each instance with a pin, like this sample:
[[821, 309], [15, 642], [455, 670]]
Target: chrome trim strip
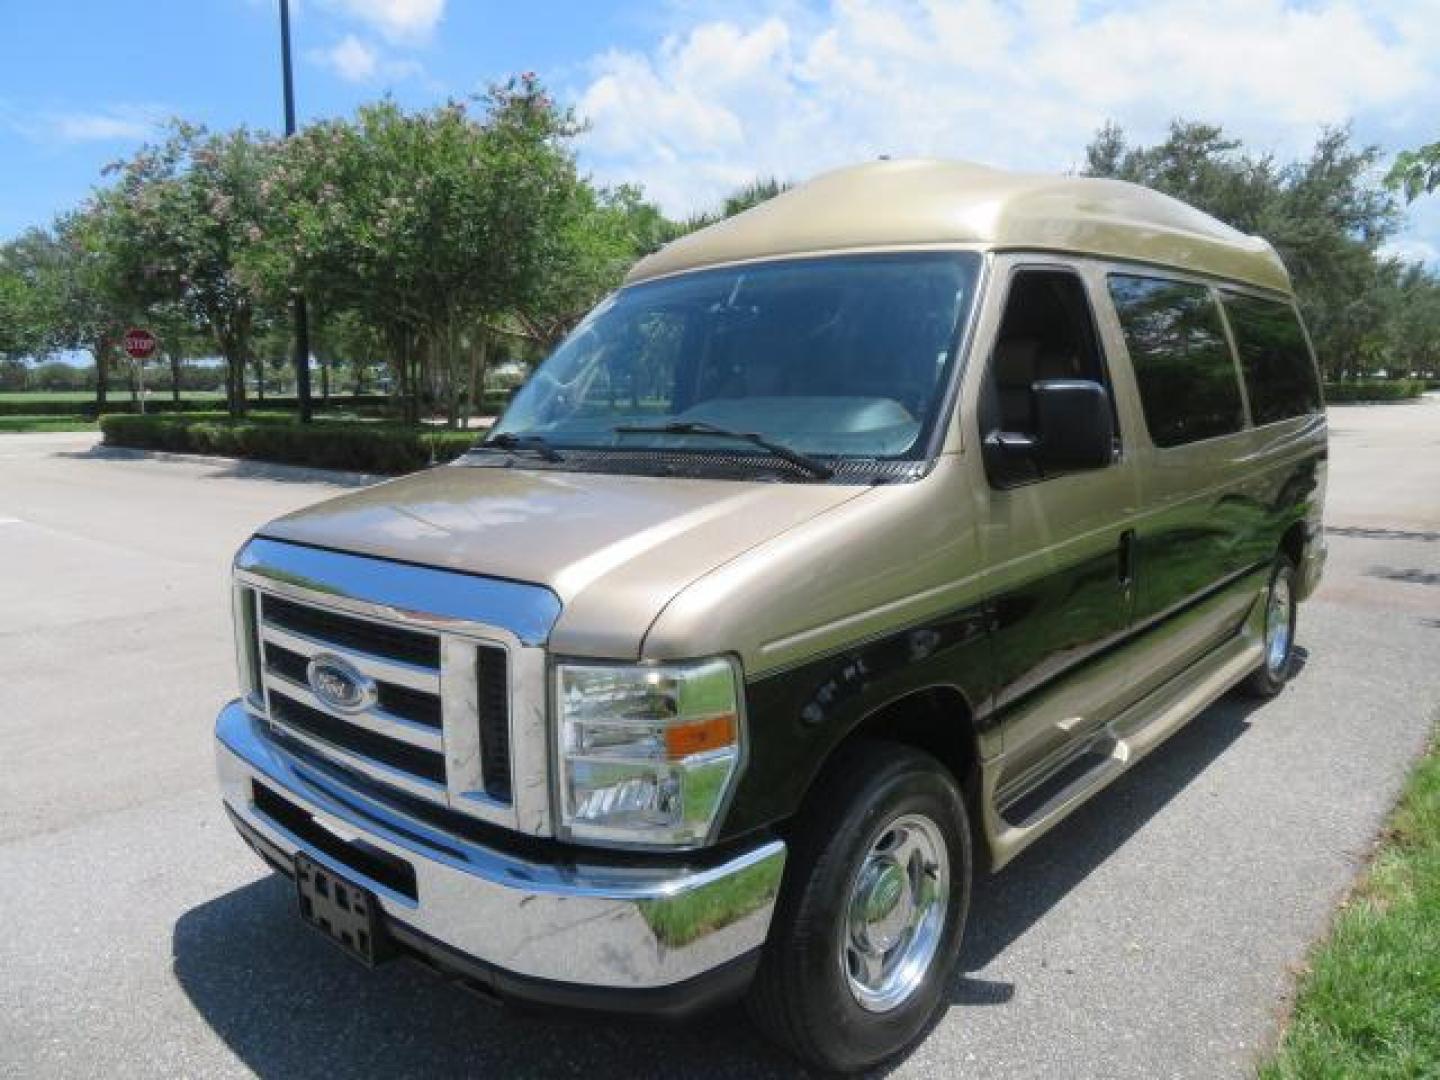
[[460, 709], [530, 741], [376, 770], [242, 614], [624, 926], [374, 719], [396, 672], [443, 600]]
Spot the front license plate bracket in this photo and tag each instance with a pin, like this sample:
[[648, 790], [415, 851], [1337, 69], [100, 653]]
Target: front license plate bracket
[[341, 910]]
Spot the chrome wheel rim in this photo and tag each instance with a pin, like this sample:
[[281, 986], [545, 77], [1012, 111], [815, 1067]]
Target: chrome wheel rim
[[895, 913], [1278, 625]]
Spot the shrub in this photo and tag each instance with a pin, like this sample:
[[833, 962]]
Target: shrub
[[375, 405], [1373, 390], [364, 447], [42, 405]]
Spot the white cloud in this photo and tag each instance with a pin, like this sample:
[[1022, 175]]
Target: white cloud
[[100, 127], [110, 123], [397, 20], [355, 61], [1019, 84], [350, 58]]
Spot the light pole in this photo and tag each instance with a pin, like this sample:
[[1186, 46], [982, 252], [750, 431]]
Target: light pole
[[302, 323]]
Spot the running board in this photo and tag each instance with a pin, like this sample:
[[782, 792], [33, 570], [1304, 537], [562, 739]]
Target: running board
[[1124, 741], [1066, 785]]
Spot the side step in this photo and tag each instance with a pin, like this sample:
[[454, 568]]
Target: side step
[[1067, 785], [1125, 740]]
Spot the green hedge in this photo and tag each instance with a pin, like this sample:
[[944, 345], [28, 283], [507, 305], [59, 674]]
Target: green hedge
[[120, 402], [1373, 390], [364, 447]]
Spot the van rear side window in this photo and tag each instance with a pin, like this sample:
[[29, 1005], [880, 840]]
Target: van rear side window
[[1274, 357], [1188, 386]]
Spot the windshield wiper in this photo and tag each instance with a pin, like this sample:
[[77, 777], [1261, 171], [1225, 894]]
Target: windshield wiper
[[817, 469], [535, 444]]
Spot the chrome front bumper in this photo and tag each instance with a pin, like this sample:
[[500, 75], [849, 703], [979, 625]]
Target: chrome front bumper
[[619, 928]]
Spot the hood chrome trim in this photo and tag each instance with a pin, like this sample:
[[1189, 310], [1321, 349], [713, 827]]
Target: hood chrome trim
[[443, 600]]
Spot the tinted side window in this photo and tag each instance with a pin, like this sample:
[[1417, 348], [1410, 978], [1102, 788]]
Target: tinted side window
[[1047, 333], [1273, 355], [1182, 361]]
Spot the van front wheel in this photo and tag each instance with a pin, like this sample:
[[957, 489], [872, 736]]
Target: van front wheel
[[867, 930], [1281, 610]]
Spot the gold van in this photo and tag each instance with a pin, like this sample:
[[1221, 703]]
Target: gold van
[[839, 554]]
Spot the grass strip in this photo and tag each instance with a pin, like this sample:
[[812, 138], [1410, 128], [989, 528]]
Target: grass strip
[[1369, 1005]]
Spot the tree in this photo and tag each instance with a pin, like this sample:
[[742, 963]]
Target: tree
[[345, 339], [601, 235], [183, 217], [1416, 172], [761, 189], [437, 226], [1409, 301], [180, 339], [86, 308], [22, 317]]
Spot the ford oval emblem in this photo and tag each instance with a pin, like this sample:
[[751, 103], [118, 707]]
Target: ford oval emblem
[[339, 683]]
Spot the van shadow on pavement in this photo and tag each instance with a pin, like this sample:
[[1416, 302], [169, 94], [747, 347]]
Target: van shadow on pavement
[[288, 1003]]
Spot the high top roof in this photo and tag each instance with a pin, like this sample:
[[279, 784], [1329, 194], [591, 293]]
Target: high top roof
[[897, 204]]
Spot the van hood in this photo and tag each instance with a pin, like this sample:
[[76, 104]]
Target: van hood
[[615, 549]]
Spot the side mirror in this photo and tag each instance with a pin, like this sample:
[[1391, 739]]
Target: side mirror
[[1076, 425], [1074, 430]]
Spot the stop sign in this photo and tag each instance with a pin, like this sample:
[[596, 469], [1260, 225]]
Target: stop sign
[[139, 344]]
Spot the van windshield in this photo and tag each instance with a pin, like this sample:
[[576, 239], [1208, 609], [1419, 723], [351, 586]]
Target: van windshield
[[843, 356]]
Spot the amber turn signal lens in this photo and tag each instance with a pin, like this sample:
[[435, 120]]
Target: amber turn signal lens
[[698, 736]]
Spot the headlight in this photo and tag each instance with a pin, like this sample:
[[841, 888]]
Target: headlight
[[648, 752]]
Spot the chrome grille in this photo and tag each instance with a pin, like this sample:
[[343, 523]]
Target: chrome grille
[[437, 727]]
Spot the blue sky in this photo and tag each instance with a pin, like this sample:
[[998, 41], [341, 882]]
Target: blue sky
[[693, 97]]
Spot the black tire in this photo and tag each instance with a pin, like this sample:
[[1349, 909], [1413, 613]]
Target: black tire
[[1274, 672], [801, 997]]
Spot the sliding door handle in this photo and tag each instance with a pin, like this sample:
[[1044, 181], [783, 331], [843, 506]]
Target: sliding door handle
[[1126, 566]]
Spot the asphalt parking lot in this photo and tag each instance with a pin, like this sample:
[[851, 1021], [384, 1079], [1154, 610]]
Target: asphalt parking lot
[[1153, 934]]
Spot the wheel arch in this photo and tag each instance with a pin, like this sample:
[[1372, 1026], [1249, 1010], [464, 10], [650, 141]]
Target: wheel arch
[[1293, 541], [938, 719]]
